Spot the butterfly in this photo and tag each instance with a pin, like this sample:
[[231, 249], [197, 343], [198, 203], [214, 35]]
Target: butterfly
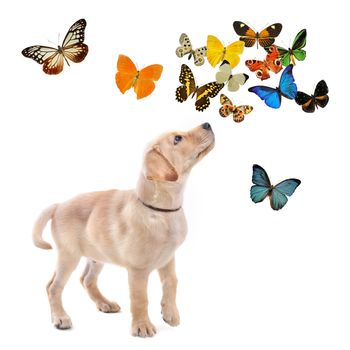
[[262, 188], [265, 38], [238, 112], [233, 81], [189, 87], [271, 62], [186, 49], [218, 53], [286, 88], [296, 51], [319, 98], [72, 48], [141, 80]]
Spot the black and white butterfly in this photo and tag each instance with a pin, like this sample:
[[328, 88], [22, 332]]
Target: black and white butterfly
[[72, 48]]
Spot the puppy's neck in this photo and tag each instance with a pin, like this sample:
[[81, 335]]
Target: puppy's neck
[[160, 194]]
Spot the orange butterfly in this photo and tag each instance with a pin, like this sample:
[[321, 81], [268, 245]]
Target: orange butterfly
[[261, 68], [141, 80]]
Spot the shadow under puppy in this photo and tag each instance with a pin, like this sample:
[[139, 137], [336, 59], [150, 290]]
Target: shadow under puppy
[[139, 229]]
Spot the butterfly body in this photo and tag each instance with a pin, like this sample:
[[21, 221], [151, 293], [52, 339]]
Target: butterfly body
[[142, 81], [72, 48], [186, 49], [263, 188], [233, 80], [262, 68], [265, 38], [217, 52], [318, 99], [189, 88], [289, 55], [228, 108], [286, 88]]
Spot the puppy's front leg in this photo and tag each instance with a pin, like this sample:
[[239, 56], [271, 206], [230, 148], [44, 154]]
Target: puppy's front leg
[[168, 278], [141, 325]]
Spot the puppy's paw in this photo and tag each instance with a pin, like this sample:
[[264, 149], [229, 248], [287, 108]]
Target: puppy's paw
[[108, 307], [143, 329], [62, 322], [171, 315]]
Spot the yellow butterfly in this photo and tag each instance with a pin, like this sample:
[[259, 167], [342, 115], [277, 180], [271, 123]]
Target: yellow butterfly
[[217, 52]]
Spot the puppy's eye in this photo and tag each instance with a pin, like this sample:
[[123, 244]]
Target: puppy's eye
[[177, 139]]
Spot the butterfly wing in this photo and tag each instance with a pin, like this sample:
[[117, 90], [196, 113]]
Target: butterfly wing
[[186, 46], [126, 74], [260, 176], [236, 80], [262, 184], [240, 112], [199, 54], [50, 57], [188, 86], [277, 199], [224, 72], [215, 53], [205, 92], [247, 34], [259, 67], [267, 36], [306, 101], [224, 100], [272, 59], [321, 91], [287, 86], [144, 85], [279, 193], [73, 46], [232, 51], [227, 106], [300, 40], [270, 96]]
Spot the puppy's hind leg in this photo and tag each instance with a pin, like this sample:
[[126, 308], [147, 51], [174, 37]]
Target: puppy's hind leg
[[66, 264], [89, 282]]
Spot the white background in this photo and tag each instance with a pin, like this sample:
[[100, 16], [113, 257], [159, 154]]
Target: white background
[[249, 277]]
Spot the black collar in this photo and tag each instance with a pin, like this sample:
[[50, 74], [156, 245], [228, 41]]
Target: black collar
[[159, 209]]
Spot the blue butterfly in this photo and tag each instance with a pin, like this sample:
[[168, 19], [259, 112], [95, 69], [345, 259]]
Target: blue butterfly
[[287, 88], [263, 188]]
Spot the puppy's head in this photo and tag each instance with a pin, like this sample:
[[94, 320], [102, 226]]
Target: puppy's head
[[172, 155]]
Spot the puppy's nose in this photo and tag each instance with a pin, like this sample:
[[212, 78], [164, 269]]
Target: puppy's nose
[[206, 126]]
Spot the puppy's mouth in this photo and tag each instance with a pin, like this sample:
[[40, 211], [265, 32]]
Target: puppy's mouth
[[207, 149]]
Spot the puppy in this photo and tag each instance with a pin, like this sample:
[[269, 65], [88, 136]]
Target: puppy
[[139, 229]]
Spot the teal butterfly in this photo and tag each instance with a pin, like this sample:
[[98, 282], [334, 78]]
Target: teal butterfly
[[262, 188], [287, 55]]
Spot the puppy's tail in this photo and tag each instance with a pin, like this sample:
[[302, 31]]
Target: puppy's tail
[[39, 226]]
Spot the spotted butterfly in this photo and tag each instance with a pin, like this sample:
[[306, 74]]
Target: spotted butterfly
[[189, 87], [238, 112], [186, 49], [72, 48]]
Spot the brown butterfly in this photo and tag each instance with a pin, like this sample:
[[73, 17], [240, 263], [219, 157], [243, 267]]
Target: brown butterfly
[[228, 108], [189, 87], [72, 48], [265, 38]]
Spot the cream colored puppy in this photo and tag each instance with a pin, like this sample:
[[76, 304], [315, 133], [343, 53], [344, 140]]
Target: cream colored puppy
[[139, 229]]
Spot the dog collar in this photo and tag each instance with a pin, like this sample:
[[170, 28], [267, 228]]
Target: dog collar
[[159, 209]]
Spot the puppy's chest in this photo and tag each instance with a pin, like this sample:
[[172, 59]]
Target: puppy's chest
[[167, 230]]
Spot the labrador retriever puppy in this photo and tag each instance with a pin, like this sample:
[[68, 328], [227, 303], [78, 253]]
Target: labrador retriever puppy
[[138, 229]]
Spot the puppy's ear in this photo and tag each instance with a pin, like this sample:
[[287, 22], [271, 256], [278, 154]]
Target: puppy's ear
[[158, 167]]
